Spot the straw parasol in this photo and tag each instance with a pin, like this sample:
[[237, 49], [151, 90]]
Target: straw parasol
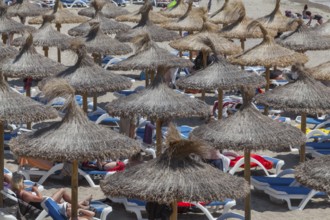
[[304, 38], [219, 75], [276, 20], [15, 108], [86, 77], [230, 12], [249, 130], [321, 72], [107, 25], [109, 10], [46, 36], [315, 174], [72, 139], [175, 176], [305, 96], [156, 33], [177, 11], [268, 54], [192, 20], [7, 51]]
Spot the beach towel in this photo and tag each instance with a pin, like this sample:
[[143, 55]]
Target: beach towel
[[267, 164], [38, 163]]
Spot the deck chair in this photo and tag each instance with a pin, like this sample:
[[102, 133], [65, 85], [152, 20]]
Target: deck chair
[[288, 193], [75, 3], [314, 121], [52, 208]]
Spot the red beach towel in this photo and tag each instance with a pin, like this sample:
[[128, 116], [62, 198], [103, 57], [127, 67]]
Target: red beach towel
[[267, 164]]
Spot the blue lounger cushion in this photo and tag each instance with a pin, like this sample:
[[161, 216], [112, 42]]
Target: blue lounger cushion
[[324, 152], [277, 181], [321, 146], [295, 190], [272, 159]]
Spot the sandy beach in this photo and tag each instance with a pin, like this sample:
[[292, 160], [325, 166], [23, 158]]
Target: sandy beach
[[262, 207]]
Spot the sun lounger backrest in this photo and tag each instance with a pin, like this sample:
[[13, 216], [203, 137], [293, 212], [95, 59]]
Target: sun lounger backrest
[[52, 208]]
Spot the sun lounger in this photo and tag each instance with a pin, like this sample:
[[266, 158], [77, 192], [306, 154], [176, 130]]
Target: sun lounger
[[75, 3], [183, 129], [288, 193], [318, 122]]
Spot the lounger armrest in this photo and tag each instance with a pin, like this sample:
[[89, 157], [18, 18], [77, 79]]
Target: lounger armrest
[[105, 213], [285, 172]]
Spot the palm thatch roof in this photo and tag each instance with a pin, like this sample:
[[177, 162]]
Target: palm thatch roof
[[250, 129], [321, 72], [16, 108], [304, 38], [28, 63], [98, 42], [175, 176], [88, 77], [62, 16], [7, 51], [107, 25], [195, 42], [268, 53], [24, 8], [46, 35], [109, 10], [177, 11], [304, 95], [157, 101], [219, 75], [75, 137], [239, 29], [315, 174], [8, 25], [230, 12], [148, 55], [192, 20], [156, 33], [323, 29], [276, 20]]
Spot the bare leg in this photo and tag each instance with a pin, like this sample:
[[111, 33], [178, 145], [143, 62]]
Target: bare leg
[[61, 194]]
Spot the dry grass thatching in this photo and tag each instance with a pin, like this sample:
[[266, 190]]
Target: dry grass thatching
[[276, 20], [220, 75], [304, 95], [192, 20], [321, 72], [110, 10], [248, 128], [315, 174], [46, 36], [75, 137], [156, 33], [304, 38], [230, 12], [28, 63], [15, 108], [323, 29], [177, 11], [149, 55], [98, 42], [176, 175], [157, 101], [23, 8], [268, 53], [8, 25], [7, 51], [88, 77], [195, 42]]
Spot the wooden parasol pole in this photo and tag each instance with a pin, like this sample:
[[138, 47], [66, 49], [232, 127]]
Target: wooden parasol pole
[[85, 105], [247, 176], [190, 52], [158, 137], [204, 53], [243, 48], [74, 190], [4, 38], [180, 52], [28, 94], [220, 103], [58, 27], [174, 215], [45, 51], [97, 58], [267, 88], [152, 75], [2, 158], [303, 129], [147, 78]]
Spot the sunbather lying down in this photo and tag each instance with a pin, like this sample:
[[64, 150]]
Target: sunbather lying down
[[106, 166]]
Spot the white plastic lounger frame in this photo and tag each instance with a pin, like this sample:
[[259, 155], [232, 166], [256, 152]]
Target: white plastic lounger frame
[[231, 215], [207, 213]]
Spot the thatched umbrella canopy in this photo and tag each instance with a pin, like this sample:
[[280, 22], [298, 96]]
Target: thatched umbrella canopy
[[109, 10], [306, 96], [323, 29], [7, 51], [98, 42], [24, 8], [315, 174], [192, 20], [15, 108], [304, 38], [276, 20], [230, 12], [107, 25], [86, 77], [268, 54], [156, 33], [321, 72], [73, 138], [195, 41], [148, 55], [177, 11], [249, 130], [175, 176]]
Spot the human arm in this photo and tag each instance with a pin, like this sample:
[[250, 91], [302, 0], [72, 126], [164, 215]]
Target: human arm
[[32, 197], [84, 212]]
